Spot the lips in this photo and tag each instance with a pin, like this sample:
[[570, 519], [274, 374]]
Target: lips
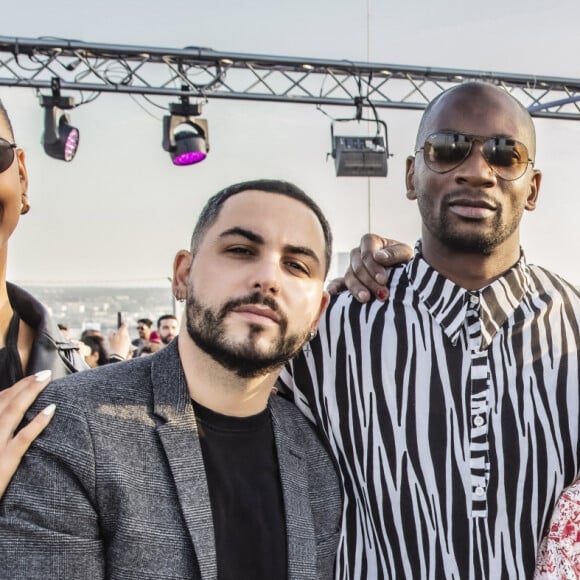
[[472, 207], [257, 310]]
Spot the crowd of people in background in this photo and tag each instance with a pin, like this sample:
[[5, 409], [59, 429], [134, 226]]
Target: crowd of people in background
[[98, 349]]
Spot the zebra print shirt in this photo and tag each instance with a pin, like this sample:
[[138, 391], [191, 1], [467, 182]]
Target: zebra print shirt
[[453, 416]]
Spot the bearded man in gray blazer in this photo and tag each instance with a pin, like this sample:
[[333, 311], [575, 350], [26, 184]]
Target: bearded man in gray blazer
[[186, 464]]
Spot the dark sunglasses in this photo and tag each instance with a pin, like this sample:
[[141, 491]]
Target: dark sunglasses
[[445, 151], [6, 154]]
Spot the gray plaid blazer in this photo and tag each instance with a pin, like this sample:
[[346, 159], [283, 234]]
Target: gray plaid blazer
[[115, 487]]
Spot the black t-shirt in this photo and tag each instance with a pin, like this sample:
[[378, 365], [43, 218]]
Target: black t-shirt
[[246, 495]]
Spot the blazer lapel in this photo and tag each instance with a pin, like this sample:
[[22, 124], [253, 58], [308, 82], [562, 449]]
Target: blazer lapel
[[179, 438], [293, 475]]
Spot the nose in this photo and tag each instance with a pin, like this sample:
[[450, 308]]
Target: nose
[[266, 276], [475, 170]]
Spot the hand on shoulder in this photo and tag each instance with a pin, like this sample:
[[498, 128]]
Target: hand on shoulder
[[366, 276], [14, 402]]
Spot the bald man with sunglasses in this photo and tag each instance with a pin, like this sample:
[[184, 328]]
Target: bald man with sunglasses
[[452, 406]]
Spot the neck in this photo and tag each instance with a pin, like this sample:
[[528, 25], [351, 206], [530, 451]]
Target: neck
[[471, 271], [219, 389]]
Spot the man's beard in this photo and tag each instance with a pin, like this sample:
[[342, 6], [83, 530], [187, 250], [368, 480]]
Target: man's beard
[[476, 243], [166, 339], [206, 328]]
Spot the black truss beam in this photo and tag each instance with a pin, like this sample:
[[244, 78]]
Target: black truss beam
[[204, 73]]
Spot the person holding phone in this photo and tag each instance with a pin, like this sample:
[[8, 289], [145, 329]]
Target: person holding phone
[[120, 347]]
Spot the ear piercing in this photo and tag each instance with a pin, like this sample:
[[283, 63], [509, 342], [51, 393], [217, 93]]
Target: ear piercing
[[24, 205]]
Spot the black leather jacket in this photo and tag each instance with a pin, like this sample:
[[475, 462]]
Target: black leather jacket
[[50, 350]]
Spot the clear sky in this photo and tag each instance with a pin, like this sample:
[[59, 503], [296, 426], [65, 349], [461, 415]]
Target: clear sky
[[120, 210]]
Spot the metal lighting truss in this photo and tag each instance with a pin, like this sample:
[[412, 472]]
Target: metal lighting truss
[[202, 73]]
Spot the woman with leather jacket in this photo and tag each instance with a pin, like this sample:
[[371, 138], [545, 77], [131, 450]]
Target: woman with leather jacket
[[30, 343]]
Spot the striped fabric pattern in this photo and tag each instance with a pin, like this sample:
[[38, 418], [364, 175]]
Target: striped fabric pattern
[[453, 416]]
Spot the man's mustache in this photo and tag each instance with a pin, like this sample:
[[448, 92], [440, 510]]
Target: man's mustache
[[255, 298]]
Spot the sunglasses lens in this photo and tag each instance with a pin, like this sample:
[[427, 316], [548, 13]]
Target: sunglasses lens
[[445, 151], [508, 157], [6, 155]]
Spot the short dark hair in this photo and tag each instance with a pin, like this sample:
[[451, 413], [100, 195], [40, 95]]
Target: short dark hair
[[148, 323], [210, 213], [165, 317]]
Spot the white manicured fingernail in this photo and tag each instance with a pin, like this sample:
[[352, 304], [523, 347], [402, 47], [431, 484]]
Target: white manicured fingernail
[[49, 410], [43, 375]]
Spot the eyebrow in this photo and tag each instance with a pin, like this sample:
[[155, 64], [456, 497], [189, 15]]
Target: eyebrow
[[258, 239], [244, 233]]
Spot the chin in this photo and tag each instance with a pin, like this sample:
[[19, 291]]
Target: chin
[[263, 347]]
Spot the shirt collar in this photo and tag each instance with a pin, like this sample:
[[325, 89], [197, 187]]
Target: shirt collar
[[448, 303]]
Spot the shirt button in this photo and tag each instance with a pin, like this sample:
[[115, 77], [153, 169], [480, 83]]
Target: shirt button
[[479, 491], [478, 421]]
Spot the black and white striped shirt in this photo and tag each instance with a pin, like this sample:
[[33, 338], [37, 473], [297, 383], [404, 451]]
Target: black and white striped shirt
[[453, 416]]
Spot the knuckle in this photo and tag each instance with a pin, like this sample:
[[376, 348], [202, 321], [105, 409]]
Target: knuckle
[[22, 441], [11, 410]]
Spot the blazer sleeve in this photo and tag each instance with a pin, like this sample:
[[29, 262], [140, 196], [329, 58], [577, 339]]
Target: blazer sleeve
[[48, 518]]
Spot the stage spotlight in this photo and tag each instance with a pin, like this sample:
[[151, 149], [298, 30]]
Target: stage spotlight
[[60, 139], [189, 148], [361, 156], [185, 136]]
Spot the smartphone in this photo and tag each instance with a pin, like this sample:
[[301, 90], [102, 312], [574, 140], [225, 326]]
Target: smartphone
[[120, 319]]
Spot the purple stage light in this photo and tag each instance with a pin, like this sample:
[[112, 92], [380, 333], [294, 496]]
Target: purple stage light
[[71, 144], [184, 135], [189, 158]]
